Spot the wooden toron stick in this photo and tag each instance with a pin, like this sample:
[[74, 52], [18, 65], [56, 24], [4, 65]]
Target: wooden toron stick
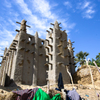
[[91, 77], [96, 66], [70, 77], [48, 87]]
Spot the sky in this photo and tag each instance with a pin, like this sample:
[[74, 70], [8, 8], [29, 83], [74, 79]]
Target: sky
[[80, 19]]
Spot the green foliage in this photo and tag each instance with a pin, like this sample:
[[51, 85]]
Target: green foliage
[[91, 62], [97, 60], [80, 57]]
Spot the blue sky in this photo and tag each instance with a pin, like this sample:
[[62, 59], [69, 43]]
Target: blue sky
[[80, 19]]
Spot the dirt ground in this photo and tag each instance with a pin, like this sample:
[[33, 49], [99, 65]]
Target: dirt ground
[[85, 91]]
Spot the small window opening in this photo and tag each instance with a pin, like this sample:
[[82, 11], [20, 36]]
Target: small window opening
[[51, 48], [52, 40], [51, 57], [47, 50], [47, 59], [51, 66], [29, 39], [42, 42]]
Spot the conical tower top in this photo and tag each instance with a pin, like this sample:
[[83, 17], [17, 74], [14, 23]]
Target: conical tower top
[[70, 44], [69, 41], [23, 26], [36, 34], [23, 22], [56, 25]]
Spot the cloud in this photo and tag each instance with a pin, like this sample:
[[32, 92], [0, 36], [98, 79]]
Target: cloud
[[24, 7], [43, 7], [4, 43], [7, 4], [87, 9], [32, 18], [6, 38], [68, 4], [15, 26], [46, 15], [85, 5]]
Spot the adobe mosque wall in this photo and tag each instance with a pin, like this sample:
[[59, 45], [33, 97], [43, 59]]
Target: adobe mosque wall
[[31, 60]]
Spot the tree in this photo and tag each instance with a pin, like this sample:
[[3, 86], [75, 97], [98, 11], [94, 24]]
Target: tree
[[91, 62], [97, 60], [80, 57]]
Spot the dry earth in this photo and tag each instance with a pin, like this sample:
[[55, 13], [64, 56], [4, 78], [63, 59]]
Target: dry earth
[[83, 90]]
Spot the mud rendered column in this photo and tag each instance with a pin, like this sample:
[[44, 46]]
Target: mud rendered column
[[19, 63], [35, 66], [71, 58], [55, 31]]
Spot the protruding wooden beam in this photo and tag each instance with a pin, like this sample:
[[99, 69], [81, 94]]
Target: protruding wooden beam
[[46, 64], [64, 40], [73, 63], [1, 56], [59, 45], [21, 48], [52, 24], [4, 58], [59, 23], [64, 30], [67, 65], [12, 48], [51, 37], [26, 25], [40, 46], [72, 57], [50, 53], [47, 79], [60, 27], [14, 43], [22, 39], [65, 47], [15, 40], [73, 42], [50, 45], [47, 55], [32, 43], [7, 54], [51, 29], [48, 31], [17, 30], [66, 56], [57, 37], [32, 52], [59, 63], [9, 51], [59, 53], [47, 47], [27, 50], [50, 63], [28, 42], [40, 54], [46, 39]]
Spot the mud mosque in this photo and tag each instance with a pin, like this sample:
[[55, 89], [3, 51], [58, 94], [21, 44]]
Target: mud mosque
[[31, 60]]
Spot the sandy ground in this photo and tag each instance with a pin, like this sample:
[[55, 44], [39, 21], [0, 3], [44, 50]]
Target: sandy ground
[[86, 91]]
